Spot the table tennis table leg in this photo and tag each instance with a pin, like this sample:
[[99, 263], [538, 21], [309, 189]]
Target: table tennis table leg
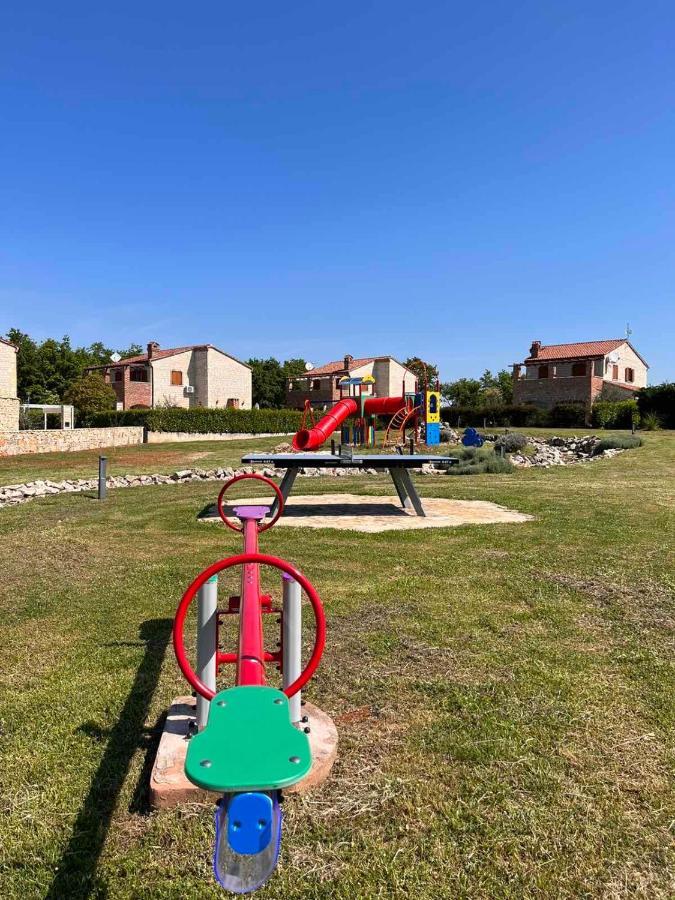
[[407, 490], [285, 487], [400, 488]]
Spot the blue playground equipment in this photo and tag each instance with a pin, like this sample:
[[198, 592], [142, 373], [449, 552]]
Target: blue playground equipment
[[472, 438]]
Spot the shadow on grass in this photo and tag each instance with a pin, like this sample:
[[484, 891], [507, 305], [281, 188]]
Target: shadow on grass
[[76, 872]]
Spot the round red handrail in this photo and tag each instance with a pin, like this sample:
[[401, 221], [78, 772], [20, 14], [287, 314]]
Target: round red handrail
[[262, 559], [257, 477]]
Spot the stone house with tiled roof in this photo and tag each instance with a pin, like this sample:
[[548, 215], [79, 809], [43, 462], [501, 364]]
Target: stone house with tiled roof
[[578, 373], [9, 402], [196, 375], [320, 385]]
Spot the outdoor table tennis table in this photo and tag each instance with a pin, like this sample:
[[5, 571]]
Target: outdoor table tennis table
[[398, 466]]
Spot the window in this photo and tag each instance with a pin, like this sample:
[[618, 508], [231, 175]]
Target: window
[[138, 374], [630, 376], [176, 377], [543, 371], [578, 368], [316, 385]]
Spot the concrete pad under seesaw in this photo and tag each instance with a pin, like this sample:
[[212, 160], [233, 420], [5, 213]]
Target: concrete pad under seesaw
[[374, 513], [169, 785]]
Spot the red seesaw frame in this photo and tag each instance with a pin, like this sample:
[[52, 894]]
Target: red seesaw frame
[[240, 560], [257, 477]]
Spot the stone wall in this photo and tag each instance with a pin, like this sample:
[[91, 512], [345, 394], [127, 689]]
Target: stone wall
[[9, 414], [15, 443], [7, 369], [547, 392], [171, 437]]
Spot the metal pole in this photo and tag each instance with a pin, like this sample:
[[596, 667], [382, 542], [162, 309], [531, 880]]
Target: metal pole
[[207, 629], [102, 487], [292, 640]]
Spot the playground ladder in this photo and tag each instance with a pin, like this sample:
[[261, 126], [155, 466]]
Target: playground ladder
[[398, 424]]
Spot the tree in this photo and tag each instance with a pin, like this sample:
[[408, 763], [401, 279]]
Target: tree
[[426, 373], [47, 370], [505, 380], [294, 367], [269, 380], [463, 392], [90, 394]]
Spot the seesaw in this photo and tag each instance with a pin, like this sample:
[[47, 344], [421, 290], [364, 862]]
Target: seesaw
[[251, 743]]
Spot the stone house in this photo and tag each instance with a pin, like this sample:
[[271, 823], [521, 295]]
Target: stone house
[[321, 384], [578, 373], [9, 402], [198, 375]]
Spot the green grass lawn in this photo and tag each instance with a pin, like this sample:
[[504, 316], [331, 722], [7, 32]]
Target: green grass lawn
[[139, 459], [504, 693], [147, 459]]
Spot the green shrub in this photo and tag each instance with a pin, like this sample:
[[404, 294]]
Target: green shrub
[[480, 461], [203, 420], [568, 415], [112, 417], [615, 413], [650, 422], [511, 442], [660, 401], [618, 442]]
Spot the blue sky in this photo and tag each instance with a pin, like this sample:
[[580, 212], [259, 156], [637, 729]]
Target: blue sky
[[314, 179]]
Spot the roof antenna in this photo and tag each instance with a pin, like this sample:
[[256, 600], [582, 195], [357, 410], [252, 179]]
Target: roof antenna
[[629, 330]]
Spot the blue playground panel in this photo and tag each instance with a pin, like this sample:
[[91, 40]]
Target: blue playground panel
[[433, 435]]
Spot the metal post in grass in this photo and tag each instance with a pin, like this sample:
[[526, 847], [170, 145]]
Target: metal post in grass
[[207, 644], [291, 640], [102, 486]]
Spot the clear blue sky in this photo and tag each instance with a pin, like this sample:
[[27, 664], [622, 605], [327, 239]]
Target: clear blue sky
[[308, 179]]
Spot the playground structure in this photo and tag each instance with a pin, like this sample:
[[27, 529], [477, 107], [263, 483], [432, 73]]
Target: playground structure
[[355, 414], [250, 742]]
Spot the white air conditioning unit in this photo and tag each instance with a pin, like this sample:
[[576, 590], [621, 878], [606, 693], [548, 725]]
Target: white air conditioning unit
[[189, 389]]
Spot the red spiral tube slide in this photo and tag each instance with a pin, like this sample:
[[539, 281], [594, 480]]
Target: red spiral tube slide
[[311, 438]]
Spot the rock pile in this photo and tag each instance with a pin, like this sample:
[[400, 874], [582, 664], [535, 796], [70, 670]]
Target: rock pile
[[559, 451]]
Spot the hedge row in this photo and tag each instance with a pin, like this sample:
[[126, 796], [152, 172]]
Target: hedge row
[[605, 414], [658, 400], [202, 420], [518, 416], [615, 414]]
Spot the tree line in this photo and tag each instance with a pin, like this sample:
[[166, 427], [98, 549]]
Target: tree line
[[47, 370]]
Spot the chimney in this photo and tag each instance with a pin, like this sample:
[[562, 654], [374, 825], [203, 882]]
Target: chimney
[[535, 348], [152, 346], [348, 360]]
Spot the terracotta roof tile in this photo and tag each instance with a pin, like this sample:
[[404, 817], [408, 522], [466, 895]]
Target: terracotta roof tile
[[581, 350], [162, 354], [338, 365]]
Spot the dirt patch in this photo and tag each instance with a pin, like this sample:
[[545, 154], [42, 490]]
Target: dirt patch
[[354, 512], [647, 605]]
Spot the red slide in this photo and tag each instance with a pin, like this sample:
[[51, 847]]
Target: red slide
[[311, 438]]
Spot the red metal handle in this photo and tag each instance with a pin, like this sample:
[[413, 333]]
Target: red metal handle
[[262, 559], [268, 481]]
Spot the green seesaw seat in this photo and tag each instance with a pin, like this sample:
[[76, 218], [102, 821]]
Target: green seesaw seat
[[249, 744]]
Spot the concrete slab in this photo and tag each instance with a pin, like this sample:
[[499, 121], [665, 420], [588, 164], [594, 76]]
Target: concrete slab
[[375, 513], [168, 785]]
